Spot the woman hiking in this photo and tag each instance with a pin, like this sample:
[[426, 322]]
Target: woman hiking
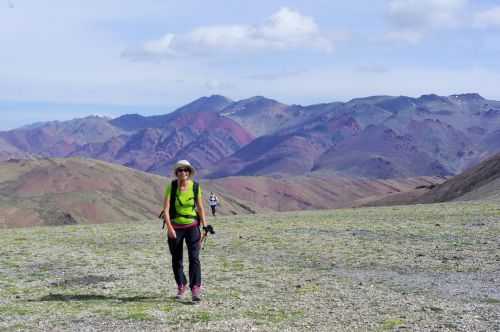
[[183, 212], [213, 201]]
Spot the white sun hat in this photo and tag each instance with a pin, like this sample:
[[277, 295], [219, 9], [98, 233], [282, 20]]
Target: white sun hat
[[184, 164]]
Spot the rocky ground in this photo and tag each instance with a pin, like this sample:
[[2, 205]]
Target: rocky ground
[[413, 268]]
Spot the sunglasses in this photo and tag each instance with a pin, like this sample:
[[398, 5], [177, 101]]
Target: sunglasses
[[179, 170]]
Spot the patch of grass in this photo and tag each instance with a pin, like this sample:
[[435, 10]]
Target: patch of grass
[[104, 311], [165, 308], [127, 310], [491, 300], [137, 312], [225, 265], [10, 289], [307, 288], [14, 310], [232, 265], [237, 265], [16, 327], [139, 315], [203, 316], [392, 323], [259, 269], [272, 315]]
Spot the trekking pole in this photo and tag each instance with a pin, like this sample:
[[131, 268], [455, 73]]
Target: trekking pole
[[206, 230], [203, 243], [202, 240], [162, 216]]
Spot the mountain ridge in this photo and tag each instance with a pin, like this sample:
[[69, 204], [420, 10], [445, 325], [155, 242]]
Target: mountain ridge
[[262, 136]]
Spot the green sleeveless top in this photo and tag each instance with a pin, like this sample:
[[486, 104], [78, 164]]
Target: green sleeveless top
[[184, 203]]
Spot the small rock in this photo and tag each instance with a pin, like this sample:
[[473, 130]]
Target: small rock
[[436, 309]]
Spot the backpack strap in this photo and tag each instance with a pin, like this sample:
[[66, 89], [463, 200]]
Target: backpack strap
[[173, 194], [196, 189], [173, 197]]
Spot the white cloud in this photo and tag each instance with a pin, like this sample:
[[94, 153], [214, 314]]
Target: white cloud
[[161, 45], [489, 17], [412, 19], [284, 30]]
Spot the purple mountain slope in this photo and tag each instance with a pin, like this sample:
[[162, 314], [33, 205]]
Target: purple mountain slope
[[132, 122], [57, 138], [395, 136], [290, 151], [378, 136], [379, 152], [202, 137]]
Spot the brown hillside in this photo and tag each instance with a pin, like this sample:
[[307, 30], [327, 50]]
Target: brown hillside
[[317, 191], [68, 191], [74, 190], [480, 182]]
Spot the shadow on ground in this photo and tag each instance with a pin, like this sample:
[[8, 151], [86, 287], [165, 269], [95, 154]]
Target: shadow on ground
[[94, 297]]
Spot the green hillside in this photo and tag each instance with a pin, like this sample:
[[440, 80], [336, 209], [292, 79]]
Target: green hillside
[[424, 267]]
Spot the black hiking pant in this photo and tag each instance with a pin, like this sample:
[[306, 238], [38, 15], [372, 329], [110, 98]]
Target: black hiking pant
[[192, 237], [213, 209]]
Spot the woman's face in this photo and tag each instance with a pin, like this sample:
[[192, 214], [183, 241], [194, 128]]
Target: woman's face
[[183, 173]]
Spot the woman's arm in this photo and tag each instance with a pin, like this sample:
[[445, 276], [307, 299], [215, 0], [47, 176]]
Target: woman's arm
[[201, 210], [166, 216]]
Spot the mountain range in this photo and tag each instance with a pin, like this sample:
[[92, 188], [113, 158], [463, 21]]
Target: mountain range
[[377, 137]]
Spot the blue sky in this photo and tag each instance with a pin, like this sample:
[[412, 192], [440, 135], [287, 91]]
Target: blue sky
[[62, 59]]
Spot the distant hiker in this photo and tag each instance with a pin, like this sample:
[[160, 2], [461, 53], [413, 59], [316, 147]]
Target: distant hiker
[[183, 212], [213, 201]]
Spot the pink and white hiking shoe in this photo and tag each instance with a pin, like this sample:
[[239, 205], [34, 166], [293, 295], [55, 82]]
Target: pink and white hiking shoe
[[196, 293], [181, 290]]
